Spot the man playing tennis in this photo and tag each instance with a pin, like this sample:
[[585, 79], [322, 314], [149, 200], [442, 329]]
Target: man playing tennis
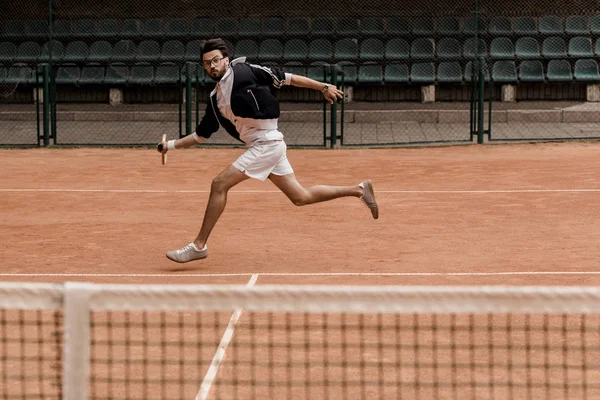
[[242, 102]]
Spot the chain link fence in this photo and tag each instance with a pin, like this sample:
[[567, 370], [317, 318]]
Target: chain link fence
[[126, 72]]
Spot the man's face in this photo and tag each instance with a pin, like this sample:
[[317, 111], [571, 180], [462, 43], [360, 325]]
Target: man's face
[[215, 64]]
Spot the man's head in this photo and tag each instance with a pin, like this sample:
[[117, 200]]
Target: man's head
[[215, 58]]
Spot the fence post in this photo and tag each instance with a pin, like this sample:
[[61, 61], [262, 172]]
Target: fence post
[[188, 101], [333, 110], [46, 105]]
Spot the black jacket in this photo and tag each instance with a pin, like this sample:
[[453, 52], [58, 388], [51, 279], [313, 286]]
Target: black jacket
[[252, 98]]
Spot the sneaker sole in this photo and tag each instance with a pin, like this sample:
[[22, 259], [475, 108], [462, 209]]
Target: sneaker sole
[[183, 262], [369, 186]]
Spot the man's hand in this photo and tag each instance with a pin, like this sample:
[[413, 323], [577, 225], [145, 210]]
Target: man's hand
[[162, 147], [333, 94]]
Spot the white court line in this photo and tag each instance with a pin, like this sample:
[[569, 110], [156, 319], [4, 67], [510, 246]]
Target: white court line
[[174, 275], [216, 361], [407, 191]]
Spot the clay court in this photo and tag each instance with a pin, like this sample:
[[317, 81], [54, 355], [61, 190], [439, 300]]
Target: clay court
[[518, 214]]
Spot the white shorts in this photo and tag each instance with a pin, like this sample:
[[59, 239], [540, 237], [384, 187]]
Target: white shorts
[[264, 158]]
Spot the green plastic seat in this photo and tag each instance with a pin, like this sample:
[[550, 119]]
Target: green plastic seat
[[76, 52], [595, 25], [577, 25], [270, 50], [559, 71], [295, 68], [19, 74], [131, 29], [349, 72], [397, 49], [14, 29], [422, 73], [227, 27], [586, 70], [531, 71], [297, 27], [448, 26], [295, 49], [423, 26], [193, 50], [372, 26], [273, 27], [502, 48], [100, 52], [62, 29], [348, 27], [177, 29], [551, 25], [107, 29], [153, 29], [448, 49], [36, 30], [554, 47], [8, 52], [68, 75], [202, 27], [504, 72], [3, 74], [147, 51], [500, 26], [449, 72], [370, 74], [141, 74], [250, 27], [58, 52], [525, 26], [167, 74], [322, 27], [84, 29], [421, 49], [396, 73], [346, 49], [28, 52], [92, 74], [527, 48], [469, 26], [398, 26], [473, 48], [124, 51], [116, 74], [320, 49], [172, 50], [315, 70], [469, 72], [246, 48], [371, 49], [580, 47]]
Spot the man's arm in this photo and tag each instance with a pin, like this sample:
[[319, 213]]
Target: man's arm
[[330, 92]]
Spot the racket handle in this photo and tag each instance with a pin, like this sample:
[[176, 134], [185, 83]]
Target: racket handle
[[160, 147]]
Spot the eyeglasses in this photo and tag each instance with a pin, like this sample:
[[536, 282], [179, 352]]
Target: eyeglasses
[[214, 61]]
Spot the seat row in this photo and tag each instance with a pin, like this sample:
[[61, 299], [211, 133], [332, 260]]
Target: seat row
[[419, 73], [205, 27], [300, 50]]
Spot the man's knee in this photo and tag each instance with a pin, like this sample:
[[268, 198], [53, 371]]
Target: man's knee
[[220, 184], [300, 199]]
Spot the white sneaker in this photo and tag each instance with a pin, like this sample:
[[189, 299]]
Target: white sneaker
[[368, 198], [188, 253]]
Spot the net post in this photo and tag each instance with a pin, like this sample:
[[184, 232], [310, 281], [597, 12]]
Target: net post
[[76, 340]]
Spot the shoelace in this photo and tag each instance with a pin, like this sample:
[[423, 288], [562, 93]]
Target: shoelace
[[185, 249]]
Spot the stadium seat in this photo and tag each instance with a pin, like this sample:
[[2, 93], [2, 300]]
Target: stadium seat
[[19, 74], [371, 49], [202, 27], [84, 29], [246, 48], [347, 27], [370, 74], [448, 26], [531, 71], [396, 73], [372, 26], [320, 49], [422, 73], [153, 29], [350, 72], [148, 51], [322, 27], [14, 30], [28, 52], [527, 48], [58, 52], [172, 50], [586, 70], [580, 47], [448, 49], [76, 52], [295, 49], [346, 49], [469, 26], [315, 70], [227, 27], [250, 27], [449, 72], [270, 50], [469, 72], [273, 27], [502, 48], [62, 29], [559, 71], [504, 72], [551, 25], [500, 26], [421, 49], [397, 26], [67, 75], [107, 29], [91, 74], [131, 29], [141, 74], [554, 47], [100, 52], [177, 29], [3, 74], [8, 52], [595, 25], [472, 50], [124, 51], [167, 74], [597, 48], [295, 68], [297, 27], [37, 30], [397, 49], [192, 50], [423, 26], [577, 25], [116, 74], [524, 26]]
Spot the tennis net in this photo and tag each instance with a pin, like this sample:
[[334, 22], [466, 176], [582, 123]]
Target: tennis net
[[80, 341]]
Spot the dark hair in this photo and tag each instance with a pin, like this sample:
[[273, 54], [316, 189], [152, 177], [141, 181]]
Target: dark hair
[[214, 44]]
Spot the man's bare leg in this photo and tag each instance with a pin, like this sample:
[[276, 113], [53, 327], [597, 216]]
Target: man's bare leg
[[301, 196]]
